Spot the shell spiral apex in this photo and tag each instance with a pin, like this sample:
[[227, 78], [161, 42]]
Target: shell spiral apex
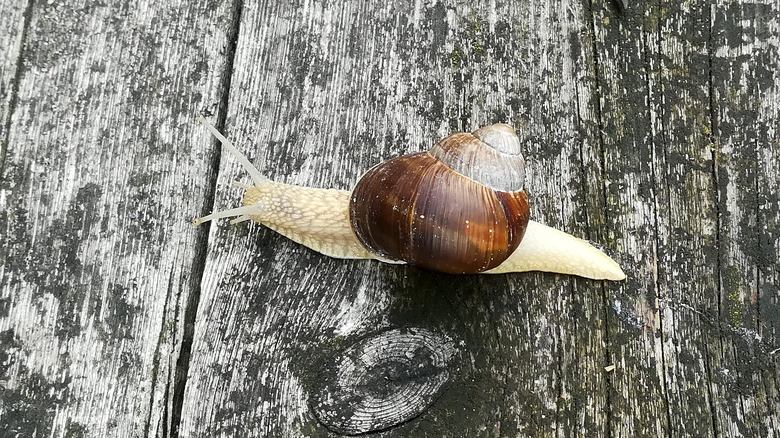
[[490, 155]]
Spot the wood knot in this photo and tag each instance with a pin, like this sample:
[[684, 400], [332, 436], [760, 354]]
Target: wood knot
[[383, 380]]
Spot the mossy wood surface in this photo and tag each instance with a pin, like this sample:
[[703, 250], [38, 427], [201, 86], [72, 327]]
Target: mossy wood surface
[[650, 128]]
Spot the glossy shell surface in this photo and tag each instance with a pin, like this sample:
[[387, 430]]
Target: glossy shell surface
[[418, 209], [490, 155]]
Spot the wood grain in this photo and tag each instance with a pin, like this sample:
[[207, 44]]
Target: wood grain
[[649, 128], [97, 190], [13, 22], [742, 90], [624, 77]]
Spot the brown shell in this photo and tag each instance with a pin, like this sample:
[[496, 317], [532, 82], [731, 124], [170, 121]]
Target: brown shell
[[490, 155], [417, 209]]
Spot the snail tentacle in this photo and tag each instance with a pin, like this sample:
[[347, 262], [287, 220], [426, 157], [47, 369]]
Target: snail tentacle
[[257, 177], [246, 210]]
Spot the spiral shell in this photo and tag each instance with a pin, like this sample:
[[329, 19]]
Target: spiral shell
[[459, 208]]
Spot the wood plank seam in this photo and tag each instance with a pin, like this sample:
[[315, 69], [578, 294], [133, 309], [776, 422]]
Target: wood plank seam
[[190, 312], [605, 304]]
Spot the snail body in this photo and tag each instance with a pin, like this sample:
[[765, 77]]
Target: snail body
[[459, 208]]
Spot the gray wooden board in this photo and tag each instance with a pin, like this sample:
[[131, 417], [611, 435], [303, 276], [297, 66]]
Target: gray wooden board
[[638, 402], [13, 23], [680, 73], [744, 93], [650, 130], [97, 190]]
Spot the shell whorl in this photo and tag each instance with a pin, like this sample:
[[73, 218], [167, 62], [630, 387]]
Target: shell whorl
[[490, 155], [455, 209]]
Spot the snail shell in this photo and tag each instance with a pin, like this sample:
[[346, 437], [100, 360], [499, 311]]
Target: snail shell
[[459, 208]]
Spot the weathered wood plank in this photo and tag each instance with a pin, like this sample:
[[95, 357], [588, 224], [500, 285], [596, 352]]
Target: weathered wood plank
[[627, 59], [563, 153], [742, 85], [12, 22], [687, 217], [96, 192], [679, 90], [325, 91]]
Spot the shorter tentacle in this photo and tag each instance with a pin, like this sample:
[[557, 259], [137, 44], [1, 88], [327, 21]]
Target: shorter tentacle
[[246, 210]]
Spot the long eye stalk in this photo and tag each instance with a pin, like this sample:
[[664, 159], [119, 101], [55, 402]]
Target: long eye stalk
[[257, 177]]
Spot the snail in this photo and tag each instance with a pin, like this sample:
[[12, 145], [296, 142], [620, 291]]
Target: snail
[[459, 208]]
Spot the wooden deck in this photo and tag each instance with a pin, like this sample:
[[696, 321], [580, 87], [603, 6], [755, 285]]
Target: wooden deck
[[652, 131]]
